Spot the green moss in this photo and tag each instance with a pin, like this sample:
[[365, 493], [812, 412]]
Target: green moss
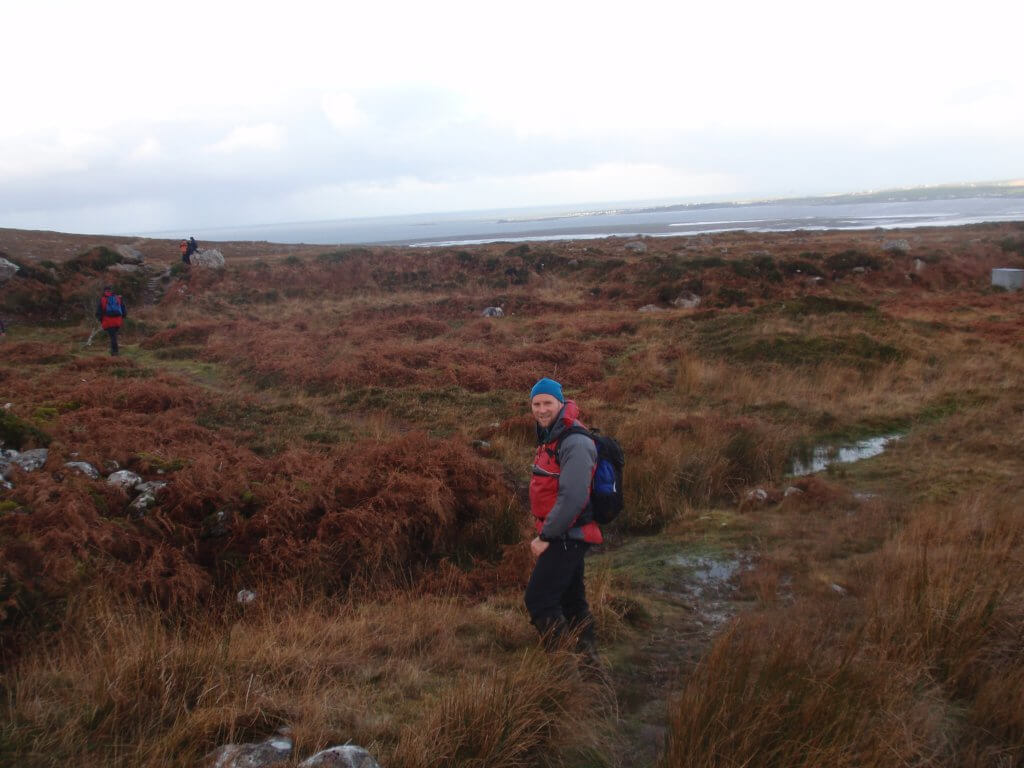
[[8, 506], [18, 434]]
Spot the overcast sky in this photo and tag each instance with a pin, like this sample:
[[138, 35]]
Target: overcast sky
[[138, 117]]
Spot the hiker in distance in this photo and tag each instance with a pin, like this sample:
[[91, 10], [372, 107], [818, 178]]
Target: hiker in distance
[[560, 487], [111, 312]]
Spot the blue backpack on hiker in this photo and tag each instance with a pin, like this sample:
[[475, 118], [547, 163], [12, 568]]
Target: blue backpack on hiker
[[114, 308], [606, 501]]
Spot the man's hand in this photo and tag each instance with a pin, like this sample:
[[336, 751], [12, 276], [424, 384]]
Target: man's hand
[[537, 546]]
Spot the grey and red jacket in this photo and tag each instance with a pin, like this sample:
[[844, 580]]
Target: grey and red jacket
[[560, 485]]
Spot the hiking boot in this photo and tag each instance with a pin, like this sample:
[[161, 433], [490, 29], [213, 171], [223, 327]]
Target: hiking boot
[[553, 631]]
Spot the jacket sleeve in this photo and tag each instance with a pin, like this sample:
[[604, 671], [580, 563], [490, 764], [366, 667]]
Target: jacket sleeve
[[577, 457]]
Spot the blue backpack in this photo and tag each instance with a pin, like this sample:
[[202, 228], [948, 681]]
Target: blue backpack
[[114, 308], [606, 501]]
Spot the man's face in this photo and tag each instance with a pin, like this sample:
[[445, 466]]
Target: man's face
[[545, 409]]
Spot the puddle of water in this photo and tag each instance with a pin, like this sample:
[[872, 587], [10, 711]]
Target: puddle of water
[[709, 573], [845, 453]]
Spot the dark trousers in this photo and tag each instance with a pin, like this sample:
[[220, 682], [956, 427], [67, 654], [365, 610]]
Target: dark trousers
[[555, 592], [112, 332]]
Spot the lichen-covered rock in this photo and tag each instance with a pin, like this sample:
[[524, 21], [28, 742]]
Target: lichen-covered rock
[[8, 270], [274, 750], [30, 461], [129, 254], [347, 756], [84, 468], [686, 301], [124, 479], [211, 258]]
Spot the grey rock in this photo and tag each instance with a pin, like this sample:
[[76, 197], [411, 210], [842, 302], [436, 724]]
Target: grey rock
[[125, 268], [141, 504], [815, 280], [8, 270], [210, 258], [839, 590], [130, 255], [636, 246], [274, 750], [30, 461], [793, 491], [896, 246], [124, 479], [574, 262], [493, 312], [651, 308], [919, 265], [1008, 278], [84, 468], [686, 301], [153, 486], [110, 466], [859, 270], [757, 496], [245, 596], [347, 756]]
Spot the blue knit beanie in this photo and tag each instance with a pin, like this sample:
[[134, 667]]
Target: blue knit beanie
[[547, 387]]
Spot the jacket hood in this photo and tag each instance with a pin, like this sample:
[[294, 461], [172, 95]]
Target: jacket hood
[[565, 419]]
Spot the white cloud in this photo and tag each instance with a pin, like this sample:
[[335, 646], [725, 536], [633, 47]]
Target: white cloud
[[148, 149], [264, 137], [342, 111]]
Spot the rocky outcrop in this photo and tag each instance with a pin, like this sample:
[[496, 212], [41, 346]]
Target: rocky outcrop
[[278, 749], [211, 258], [686, 301], [26, 461], [124, 479], [7, 270], [130, 255], [83, 468], [347, 756]]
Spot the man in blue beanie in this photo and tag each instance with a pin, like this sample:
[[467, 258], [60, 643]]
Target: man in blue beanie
[[563, 470]]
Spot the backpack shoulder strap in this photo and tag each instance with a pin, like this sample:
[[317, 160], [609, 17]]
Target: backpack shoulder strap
[[573, 430]]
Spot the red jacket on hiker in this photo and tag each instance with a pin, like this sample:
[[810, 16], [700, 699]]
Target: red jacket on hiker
[[560, 484], [101, 312]]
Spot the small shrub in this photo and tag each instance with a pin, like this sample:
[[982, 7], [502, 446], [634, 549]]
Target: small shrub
[[18, 434]]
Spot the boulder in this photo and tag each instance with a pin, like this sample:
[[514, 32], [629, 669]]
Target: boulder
[[686, 301], [651, 308], [636, 246], [84, 468], [146, 499], [896, 246], [211, 258], [7, 270], [124, 479], [276, 749], [493, 312], [30, 461], [129, 254], [347, 756]]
